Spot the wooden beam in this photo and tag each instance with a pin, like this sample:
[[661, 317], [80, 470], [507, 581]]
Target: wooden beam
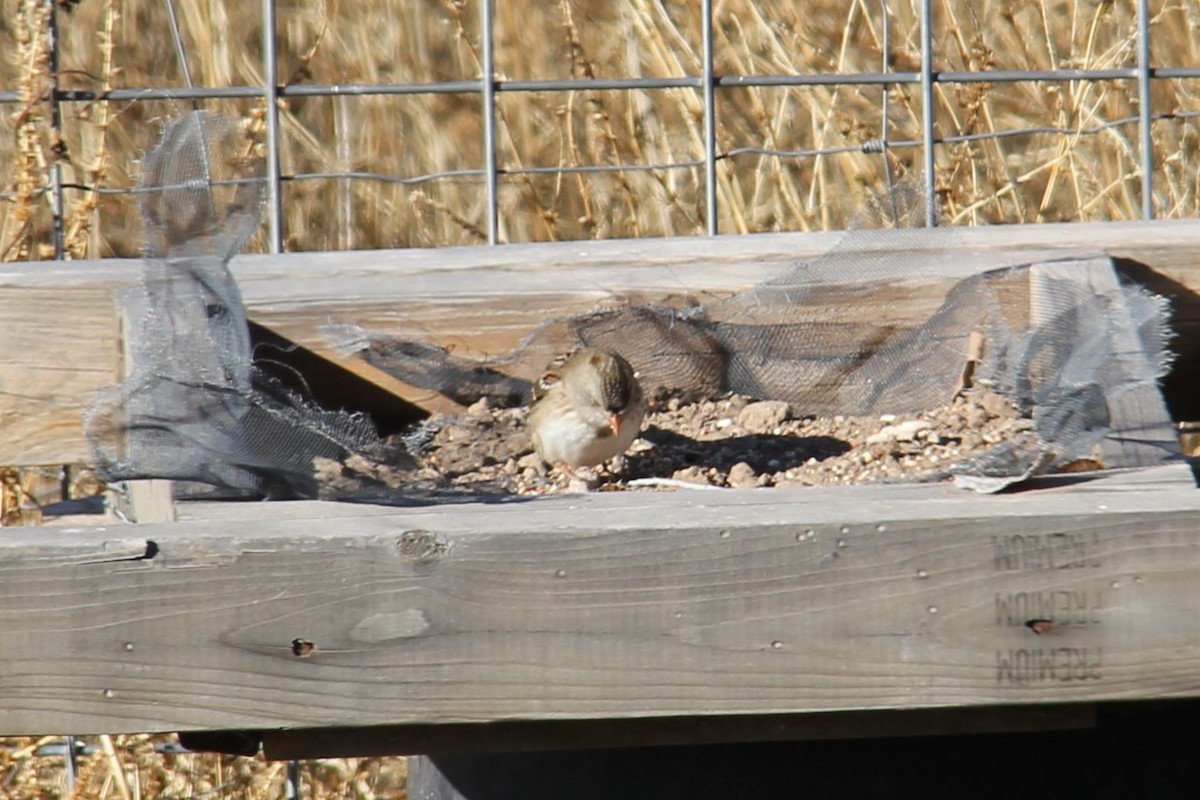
[[60, 319], [61, 346], [999, 765], [482, 302], [607, 606], [510, 737]]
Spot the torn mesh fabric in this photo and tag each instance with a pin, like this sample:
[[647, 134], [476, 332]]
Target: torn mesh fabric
[[194, 407], [1057, 334]]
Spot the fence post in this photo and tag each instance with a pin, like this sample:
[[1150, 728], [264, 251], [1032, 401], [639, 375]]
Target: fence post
[[927, 115], [488, 90], [1145, 103], [56, 179], [710, 121], [271, 98]]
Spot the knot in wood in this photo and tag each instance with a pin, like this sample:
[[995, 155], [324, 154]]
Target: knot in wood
[[419, 545]]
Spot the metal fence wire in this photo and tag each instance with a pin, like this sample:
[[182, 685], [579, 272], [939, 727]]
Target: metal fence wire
[[709, 86]]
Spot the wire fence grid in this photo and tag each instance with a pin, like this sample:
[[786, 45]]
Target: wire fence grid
[[155, 766], [708, 85]]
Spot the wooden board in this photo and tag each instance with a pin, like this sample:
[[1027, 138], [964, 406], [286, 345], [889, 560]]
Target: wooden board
[[489, 309], [60, 348], [60, 318], [608, 606]]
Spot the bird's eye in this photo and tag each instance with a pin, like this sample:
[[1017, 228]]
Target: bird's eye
[[619, 401]]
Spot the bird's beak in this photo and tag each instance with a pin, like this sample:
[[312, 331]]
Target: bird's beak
[[614, 421]]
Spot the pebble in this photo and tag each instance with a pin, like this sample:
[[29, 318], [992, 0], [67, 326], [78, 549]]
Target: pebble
[[736, 403], [764, 415], [976, 417], [691, 475], [529, 461], [996, 405], [743, 476], [954, 422], [900, 432], [456, 433], [640, 446], [581, 483]]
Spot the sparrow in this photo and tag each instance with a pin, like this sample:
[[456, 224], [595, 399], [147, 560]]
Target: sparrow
[[588, 407]]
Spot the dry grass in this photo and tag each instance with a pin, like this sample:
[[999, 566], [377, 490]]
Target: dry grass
[[1025, 178], [16, 507], [129, 768], [24, 492]]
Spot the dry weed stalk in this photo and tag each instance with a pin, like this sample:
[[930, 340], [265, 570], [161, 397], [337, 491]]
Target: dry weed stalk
[[116, 770], [30, 61], [423, 200], [599, 124], [79, 241], [18, 500], [128, 768]]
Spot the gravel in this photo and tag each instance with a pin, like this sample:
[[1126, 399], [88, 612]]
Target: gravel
[[728, 442]]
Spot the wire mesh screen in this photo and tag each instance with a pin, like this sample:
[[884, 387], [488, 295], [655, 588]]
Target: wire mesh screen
[[1057, 336], [416, 124]]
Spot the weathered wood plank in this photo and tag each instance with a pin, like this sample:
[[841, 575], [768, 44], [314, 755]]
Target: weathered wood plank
[[475, 300], [1152, 482], [59, 348], [607, 607]]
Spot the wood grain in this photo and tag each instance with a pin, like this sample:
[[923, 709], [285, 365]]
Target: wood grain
[[60, 348], [606, 607]]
